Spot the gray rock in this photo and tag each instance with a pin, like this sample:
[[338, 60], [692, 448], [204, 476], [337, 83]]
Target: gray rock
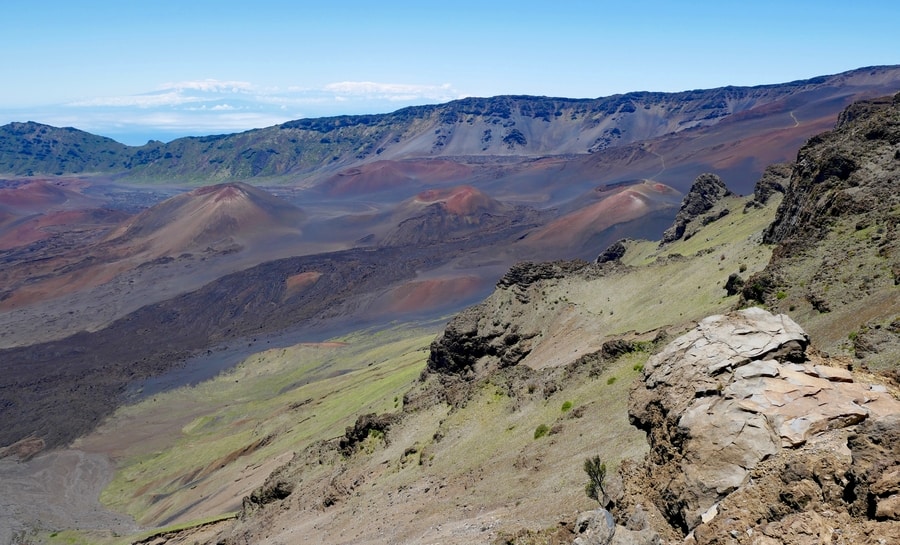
[[625, 536], [723, 397], [594, 528]]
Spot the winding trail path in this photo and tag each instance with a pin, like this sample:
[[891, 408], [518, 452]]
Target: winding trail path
[[662, 161]]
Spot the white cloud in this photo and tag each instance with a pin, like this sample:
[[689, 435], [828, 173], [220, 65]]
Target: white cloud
[[392, 91], [205, 106], [211, 86], [170, 98]]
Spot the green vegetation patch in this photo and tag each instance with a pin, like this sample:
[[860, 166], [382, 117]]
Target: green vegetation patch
[[274, 403]]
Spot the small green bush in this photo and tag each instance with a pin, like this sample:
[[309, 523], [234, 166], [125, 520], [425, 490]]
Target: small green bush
[[541, 431], [611, 380], [566, 406], [781, 295], [596, 472], [638, 367]]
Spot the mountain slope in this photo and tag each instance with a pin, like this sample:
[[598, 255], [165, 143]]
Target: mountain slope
[[440, 214], [484, 471], [487, 443], [504, 126], [27, 149], [548, 330], [208, 216]]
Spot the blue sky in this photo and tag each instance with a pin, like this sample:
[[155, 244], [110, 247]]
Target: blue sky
[[157, 70]]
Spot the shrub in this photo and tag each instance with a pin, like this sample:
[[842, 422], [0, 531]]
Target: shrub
[[638, 367], [596, 472], [566, 406], [610, 380], [541, 431]]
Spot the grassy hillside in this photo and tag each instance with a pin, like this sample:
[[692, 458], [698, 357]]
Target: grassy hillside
[[194, 452]]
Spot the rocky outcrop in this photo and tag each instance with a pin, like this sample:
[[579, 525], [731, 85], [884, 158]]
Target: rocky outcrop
[[614, 252], [470, 339], [707, 190], [837, 236], [365, 425], [737, 402], [480, 339], [843, 172], [775, 179], [522, 275]]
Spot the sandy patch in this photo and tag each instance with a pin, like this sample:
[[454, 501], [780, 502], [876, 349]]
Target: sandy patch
[[56, 491]]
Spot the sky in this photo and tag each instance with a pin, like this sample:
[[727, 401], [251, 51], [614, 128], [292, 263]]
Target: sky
[[136, 71]]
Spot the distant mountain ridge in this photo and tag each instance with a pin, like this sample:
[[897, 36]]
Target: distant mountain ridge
[[502, 126]]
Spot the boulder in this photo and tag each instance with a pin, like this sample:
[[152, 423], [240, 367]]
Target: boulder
[[594, 528], [732, 392]]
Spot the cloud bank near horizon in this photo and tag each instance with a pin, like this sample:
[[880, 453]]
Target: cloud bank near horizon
[[210, 106]]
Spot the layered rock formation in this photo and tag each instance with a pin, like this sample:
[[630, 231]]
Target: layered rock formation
[[735, 411]]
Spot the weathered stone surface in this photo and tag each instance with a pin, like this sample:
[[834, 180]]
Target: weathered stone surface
[[735, 391], [835, 374], [625, 536], [876, 467]]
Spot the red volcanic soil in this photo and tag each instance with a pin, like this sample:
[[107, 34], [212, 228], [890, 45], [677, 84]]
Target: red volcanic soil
[[207, 221], [440, 214], [32, 210], [208, 216], [40, 227], [386, 175], [616, 205], [462, 201], [299, 282], [22, 197], [428, 295], [768, 147]]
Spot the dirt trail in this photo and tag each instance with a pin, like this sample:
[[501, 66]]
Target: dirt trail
[[57, 490]]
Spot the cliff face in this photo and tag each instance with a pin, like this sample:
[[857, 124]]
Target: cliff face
[[852, 170], [836, 263]]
